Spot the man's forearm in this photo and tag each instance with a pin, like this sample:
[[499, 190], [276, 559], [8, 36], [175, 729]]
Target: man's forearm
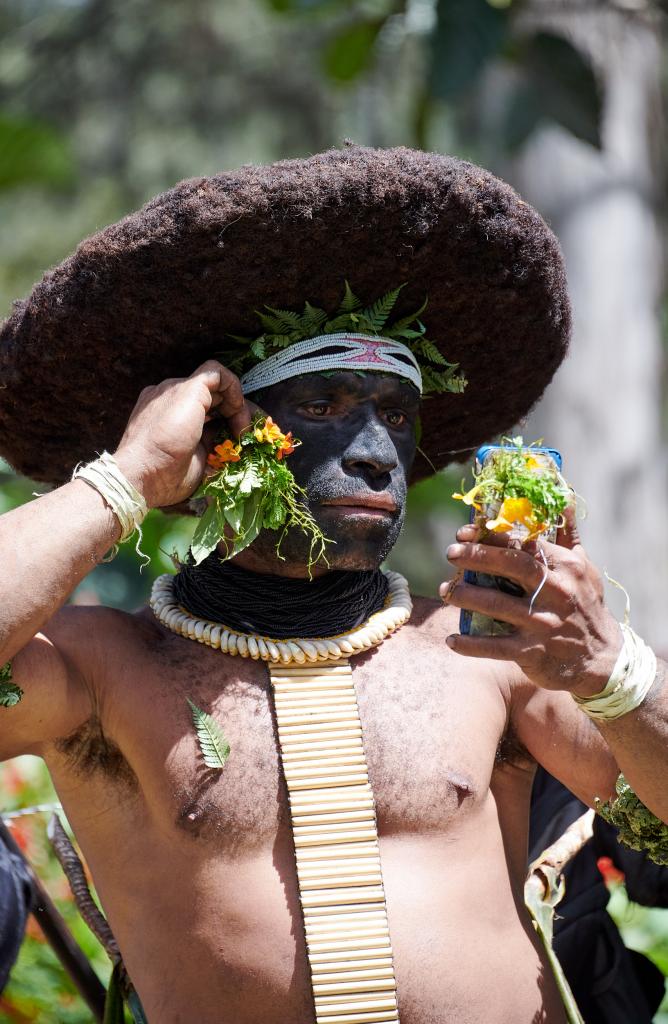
[[49, 545], [639, 741], [46, 548]]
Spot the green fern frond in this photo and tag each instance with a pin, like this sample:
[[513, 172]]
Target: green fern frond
[[426, 348], [280, 321], [408, 321], [438, 381], [431, 381], [257, 347], [212, 743], [378, 312], [405, 334], [312, 318], [276, 342], [343, 322], [350, 303], [283, 328]]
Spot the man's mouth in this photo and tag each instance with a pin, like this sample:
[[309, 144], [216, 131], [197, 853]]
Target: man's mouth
[[370, 504]]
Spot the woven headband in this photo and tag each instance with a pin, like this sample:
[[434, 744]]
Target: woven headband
[[334, 352]]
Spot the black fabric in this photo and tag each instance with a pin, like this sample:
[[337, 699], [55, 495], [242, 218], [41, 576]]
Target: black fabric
[[276, 606], [15, 902], [611, 984]]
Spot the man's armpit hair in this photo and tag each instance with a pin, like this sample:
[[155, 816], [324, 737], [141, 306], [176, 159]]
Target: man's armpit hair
[[88, 751], [511, 752]]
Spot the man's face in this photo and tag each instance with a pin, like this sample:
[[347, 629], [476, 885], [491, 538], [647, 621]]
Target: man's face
[[358, 444]]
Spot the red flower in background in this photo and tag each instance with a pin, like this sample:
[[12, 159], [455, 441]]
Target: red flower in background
[[13, 780], [22, 833], [611, 873]]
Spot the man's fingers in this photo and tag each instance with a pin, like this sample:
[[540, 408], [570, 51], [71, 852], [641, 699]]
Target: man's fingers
[[488, 601], [500, 648], [568, 535], [241, 420], [211, 368], [513, 564], [209, 434], [470, 533], [226, 395]]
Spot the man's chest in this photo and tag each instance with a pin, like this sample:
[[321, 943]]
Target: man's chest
[[429, 732]]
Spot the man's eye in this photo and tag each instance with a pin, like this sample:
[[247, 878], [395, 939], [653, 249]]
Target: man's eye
[[318, 408], [395, 418]]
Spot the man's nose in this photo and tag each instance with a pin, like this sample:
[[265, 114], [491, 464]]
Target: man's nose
[[371, 451]]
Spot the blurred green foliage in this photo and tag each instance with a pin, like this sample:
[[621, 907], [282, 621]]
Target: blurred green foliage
[[34, 152], [644, 929]]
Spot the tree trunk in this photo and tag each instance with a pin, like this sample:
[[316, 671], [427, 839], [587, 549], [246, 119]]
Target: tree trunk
[[605, 408]]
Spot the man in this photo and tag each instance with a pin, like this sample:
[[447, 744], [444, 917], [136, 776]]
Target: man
[[196, 868]]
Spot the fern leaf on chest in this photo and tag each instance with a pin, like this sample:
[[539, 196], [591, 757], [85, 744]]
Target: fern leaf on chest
[[214, 747]]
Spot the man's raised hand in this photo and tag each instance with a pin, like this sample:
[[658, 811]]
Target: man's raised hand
[[164, 447], [569, 639]]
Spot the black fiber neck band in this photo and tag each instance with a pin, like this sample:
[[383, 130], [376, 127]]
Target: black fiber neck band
[[277, 606]]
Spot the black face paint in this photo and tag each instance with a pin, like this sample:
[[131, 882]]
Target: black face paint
[[358, 444]]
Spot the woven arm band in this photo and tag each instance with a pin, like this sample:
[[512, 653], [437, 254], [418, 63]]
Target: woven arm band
[[629, 683], [637, 826], [124, 500]]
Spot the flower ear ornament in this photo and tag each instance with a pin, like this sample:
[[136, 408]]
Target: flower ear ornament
[[249, 488]]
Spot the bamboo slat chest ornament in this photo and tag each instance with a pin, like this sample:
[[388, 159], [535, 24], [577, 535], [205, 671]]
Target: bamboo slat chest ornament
[[331, 801]]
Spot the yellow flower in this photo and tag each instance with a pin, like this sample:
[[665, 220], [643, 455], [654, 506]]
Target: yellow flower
[[270, 432], [470, 497], [516, 512]]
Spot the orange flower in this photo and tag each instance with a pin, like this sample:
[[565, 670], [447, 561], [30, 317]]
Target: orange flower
[[222, 453], [286, 445]]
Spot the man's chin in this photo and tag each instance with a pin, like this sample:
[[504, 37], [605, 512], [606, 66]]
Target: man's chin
[[355, 546], [357, 542]]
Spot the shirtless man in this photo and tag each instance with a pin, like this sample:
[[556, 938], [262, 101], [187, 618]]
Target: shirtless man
[[196, 869]]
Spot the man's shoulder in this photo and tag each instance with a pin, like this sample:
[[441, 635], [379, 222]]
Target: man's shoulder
[[85, 625], [432, 622], [431, 618]]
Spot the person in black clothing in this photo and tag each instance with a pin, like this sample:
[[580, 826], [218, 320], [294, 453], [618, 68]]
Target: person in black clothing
[[15, 902], [611, 984]]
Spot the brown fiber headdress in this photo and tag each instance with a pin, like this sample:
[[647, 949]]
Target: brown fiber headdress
[[156, 294]]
